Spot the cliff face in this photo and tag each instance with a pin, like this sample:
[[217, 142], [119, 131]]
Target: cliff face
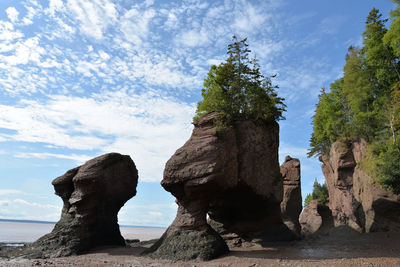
[[234, 178], [355, 200]]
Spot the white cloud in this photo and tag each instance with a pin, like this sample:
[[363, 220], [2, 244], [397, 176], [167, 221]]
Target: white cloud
[[55, 6], [25, 52], [135, 25], [290, 150], [36, 205], [155, 214], [149, 215], [7, 35], [10, 192], [12, 14], [94, 16], [249, 18], [194, 38], [80, 159], [139, 125]]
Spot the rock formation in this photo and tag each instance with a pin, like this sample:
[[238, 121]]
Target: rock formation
[[291, 205], [194, 174], [316, 219], [233, 176], [355, 199], [92, 194], [251, 209]]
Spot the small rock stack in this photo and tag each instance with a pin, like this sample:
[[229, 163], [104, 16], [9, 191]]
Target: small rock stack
[[92, 194]]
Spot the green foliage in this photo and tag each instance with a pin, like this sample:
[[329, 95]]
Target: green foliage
[[390, 169], [392, 36], [238, 90], [320, 193], [330, 119], [365, 102]]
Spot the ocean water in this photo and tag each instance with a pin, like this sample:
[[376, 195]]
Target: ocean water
[[17, 232]]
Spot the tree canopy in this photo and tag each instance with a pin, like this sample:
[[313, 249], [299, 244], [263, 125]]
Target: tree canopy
[[238, 90], [365, 102], [319, 193]]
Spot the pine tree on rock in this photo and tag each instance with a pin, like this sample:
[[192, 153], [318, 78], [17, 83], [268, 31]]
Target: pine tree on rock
[[238, 90]]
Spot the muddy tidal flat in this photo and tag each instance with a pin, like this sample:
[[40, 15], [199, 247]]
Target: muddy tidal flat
[[335, 249]]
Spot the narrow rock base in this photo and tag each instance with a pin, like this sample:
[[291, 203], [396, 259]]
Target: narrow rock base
[[186, 245]]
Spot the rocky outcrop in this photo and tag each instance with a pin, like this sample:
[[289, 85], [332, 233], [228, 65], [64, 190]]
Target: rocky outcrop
[[316, 219], [233, 176], [205, 165], [92, 194], [291, 205], [251, 208], [355, 199]]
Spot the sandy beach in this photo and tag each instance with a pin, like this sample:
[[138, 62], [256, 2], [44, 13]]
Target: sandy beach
[[339, 249]]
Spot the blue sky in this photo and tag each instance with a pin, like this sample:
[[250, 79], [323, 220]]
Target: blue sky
[[79, 78]]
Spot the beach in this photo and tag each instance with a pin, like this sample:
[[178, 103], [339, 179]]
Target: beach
[[335, 249]]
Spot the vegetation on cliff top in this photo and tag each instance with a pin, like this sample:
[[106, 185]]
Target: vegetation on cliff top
[[365, 102], [238, 90]]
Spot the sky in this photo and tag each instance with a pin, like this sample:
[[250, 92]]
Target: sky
[[80, 78]]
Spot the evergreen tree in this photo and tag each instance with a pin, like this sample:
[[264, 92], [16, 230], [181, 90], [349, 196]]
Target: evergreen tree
[[238, 90], [392, 36], [365, 103], [330, 121], [319, 193]]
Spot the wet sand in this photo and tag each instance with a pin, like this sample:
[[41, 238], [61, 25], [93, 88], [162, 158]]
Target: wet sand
[[343, 249]]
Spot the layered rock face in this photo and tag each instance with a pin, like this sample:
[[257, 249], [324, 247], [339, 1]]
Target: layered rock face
[[316, 219], [92, 194], [355, 200], [234, 177], [291, 205]]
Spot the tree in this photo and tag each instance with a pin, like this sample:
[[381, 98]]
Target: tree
[[319, 193], [365, 103], [238, 90], [392, 36], [330, 119], [379, 57], [358, 93]]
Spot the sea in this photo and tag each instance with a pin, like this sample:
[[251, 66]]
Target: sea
[[16, 232]]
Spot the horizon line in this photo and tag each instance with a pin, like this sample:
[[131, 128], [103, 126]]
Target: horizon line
[[49, 222]]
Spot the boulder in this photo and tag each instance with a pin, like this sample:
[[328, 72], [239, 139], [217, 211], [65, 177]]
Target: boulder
[[316, 219], [92, 194], [356, 200], [233, 177], [291, 205]]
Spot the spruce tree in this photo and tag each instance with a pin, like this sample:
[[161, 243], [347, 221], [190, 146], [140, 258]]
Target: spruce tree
[[238, 90]]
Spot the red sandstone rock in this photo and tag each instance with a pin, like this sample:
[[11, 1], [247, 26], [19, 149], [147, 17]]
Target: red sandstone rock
[[315, 219], [355, 199], [92, 194], [234, 177], [291, 205]]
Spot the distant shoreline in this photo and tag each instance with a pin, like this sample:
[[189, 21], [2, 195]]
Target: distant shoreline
[[47, 222]]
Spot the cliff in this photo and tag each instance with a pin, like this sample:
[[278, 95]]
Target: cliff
[[354, 198]]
